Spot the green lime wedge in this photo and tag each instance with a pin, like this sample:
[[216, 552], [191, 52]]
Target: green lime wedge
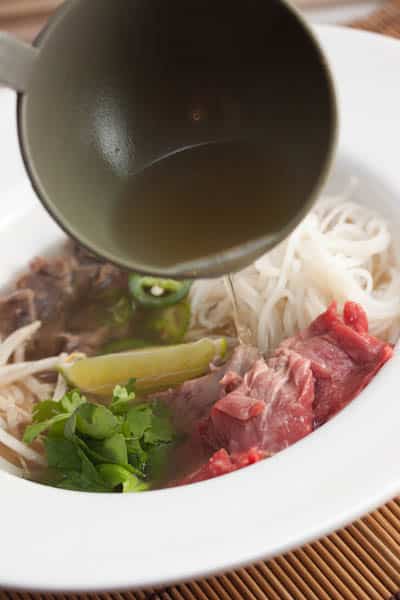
[[154, 369]]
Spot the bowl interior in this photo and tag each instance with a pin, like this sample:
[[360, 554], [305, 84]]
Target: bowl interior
[[121, 84]]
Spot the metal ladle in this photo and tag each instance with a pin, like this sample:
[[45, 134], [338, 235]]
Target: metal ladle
[[107, 86]]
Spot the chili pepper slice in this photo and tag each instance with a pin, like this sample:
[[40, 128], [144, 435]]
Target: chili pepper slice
[[153, 292]]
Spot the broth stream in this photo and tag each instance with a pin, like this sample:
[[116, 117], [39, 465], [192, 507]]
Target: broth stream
[[243, 333]]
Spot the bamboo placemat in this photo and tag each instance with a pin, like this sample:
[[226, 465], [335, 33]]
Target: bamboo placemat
[[361, 562]]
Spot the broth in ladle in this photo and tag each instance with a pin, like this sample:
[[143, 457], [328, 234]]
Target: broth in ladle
[[201, 202]]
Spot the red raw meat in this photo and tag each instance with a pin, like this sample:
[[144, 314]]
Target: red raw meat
[[270, 408], [310, 377], [222, 463], [344, 357], [355, 316], [192, 401]]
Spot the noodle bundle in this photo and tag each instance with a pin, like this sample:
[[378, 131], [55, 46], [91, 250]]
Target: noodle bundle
[[20, 389], [341, 251]]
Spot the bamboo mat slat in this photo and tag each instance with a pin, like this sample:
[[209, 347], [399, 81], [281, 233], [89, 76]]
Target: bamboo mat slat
[[25, 18], [385, 21], [23, 8], [360, 562]]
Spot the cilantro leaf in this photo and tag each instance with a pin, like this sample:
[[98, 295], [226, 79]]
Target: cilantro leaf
[[137, 456], [112, 450], [62, 454], [46, 410], [158, 459], [70, 427], [160, 431], [116, 476], [33, 431], [47, 414], [88, 469], [72, 400], [122, 397], [96, 421], [75, 471], [138, 421]]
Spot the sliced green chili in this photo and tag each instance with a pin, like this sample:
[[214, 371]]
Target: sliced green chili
[[153, 292]]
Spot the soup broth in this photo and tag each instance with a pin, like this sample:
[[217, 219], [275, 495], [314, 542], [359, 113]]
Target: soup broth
[[202, 202]]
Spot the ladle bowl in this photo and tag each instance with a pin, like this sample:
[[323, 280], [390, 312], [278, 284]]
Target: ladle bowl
[[110, 88]]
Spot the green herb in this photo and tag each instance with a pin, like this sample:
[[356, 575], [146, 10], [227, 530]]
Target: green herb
[[48, 414], [87, 479], [160, 431], [92, 448], [72, 401], [157, 461], [33, 431], [46, 410], [116, 476], [96, 421], [62, 454], [138, 457], [113, 450], [138, 421], [71, 468], [123, 396]]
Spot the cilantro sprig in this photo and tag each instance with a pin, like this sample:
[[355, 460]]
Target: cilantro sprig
[[94, 448]]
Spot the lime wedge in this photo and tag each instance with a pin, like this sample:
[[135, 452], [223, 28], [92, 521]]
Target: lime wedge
[[154, 369]]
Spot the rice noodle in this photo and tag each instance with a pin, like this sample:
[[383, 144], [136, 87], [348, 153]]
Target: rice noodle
[[16, 341], [61, 388], [42, 391], [16, 372], [341, 251], [19, 447], [20, 389]]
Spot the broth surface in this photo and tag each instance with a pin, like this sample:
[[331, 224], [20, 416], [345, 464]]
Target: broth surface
[[202, 201]]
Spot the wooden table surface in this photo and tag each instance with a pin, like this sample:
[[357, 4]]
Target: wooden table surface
[[25, 17]]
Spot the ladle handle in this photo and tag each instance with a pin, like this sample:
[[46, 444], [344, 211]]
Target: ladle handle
[[17, 60]]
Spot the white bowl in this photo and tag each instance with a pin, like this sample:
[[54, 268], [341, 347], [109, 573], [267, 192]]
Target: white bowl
[[58, 540]]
